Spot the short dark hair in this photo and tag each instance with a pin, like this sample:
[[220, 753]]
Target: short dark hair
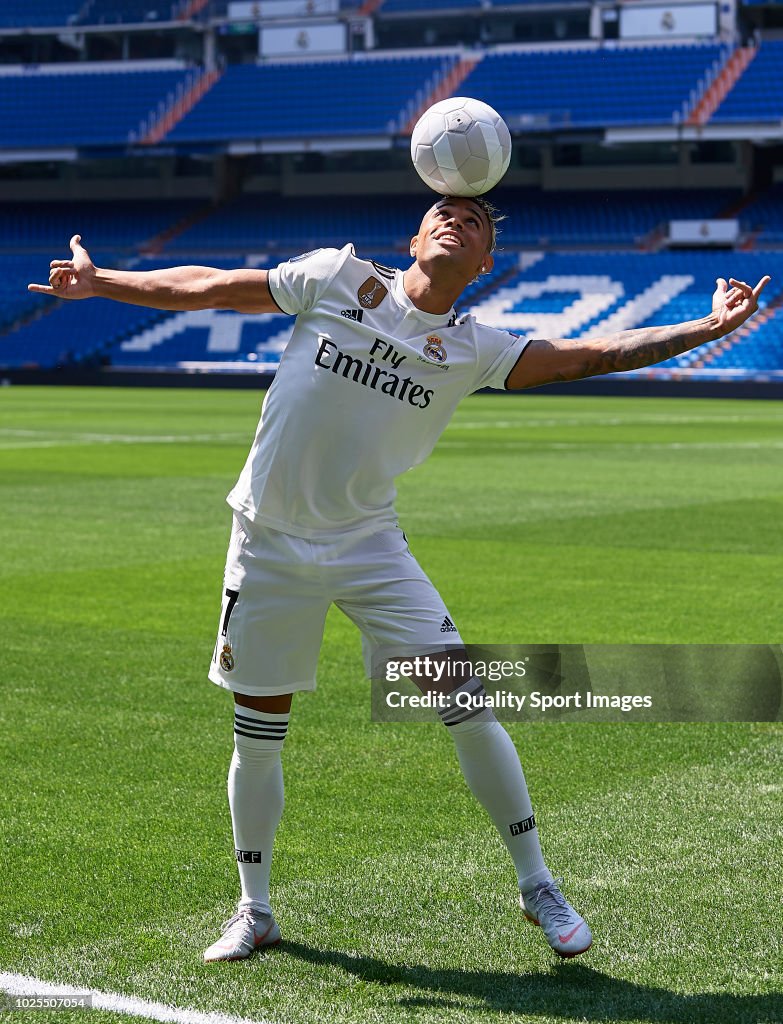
[[494, 216]]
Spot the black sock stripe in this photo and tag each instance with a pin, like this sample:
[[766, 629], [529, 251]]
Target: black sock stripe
[[455, 708], [258, 735], [241, 731], [255, 726], [458, 715], [468, 715], [260, 721], [452, 713]]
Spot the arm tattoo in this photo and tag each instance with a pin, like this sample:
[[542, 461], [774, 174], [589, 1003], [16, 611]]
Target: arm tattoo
[[631, 350]]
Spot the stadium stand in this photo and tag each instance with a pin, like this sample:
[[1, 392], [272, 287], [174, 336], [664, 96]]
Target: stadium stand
[[219, 8], [15, 301], [295, 99], [761, 353], [413, 6], [579, 295], [758, 95], [534, 217], [72, 333], [106, 225], [251, 223], [339, 97], [66, 333], [33, 98], [212, 337], [106, 12], [765, 215], [603, 217], [41, 13], [578, 87], [457, 6]]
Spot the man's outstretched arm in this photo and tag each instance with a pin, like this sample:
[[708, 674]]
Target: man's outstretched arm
[[544, 362], [177, 288]]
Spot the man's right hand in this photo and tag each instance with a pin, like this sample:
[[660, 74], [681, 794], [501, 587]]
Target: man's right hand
[[70, 279], [176, 289]]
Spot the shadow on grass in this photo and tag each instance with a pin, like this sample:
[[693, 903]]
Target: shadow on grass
[[567, 990]]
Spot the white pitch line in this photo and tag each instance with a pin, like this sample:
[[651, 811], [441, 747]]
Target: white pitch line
[[537, 446], [90, 435], [615, 421], [22, 985], [27, 439]]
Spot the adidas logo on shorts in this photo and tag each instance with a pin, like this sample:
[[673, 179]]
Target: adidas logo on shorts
[[448, 626]]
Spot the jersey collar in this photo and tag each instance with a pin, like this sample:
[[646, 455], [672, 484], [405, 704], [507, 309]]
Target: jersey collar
[[401, 296]]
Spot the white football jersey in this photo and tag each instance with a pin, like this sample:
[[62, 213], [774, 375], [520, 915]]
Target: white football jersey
[[365, 388]]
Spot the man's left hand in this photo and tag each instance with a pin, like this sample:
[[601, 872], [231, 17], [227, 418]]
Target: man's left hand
[[734, 301]]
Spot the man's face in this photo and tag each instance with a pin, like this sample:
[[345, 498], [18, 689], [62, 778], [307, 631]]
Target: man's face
[[456, 230]]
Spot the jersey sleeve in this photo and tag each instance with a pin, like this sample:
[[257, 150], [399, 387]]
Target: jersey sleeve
[[298, 284], [498, 352]]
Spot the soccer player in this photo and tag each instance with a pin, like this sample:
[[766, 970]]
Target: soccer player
[[376, 365]]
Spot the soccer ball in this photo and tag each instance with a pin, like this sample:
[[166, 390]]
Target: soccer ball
[[461, 147]]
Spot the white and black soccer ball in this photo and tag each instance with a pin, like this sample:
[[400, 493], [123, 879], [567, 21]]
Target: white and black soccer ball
[[461, 147]]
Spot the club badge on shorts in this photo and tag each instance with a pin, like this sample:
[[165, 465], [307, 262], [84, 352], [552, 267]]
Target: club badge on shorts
[[226, 658]]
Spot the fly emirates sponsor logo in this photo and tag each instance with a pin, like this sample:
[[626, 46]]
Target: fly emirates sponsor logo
[[368, 373]]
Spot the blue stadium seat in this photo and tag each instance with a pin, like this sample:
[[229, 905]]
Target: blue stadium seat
[[415, 6], [109, 12], [631, 85], [623, 290], [252, 223], [291, 100], [765, 215], [16, 271], [609, 217], [71, 332], [23, 14], [758, 95], [113, 225], [119, 101], [534, 217], [596, 87]]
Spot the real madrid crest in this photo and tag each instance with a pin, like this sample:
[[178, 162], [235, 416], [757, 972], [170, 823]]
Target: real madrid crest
[[434, 349], [226, 658]]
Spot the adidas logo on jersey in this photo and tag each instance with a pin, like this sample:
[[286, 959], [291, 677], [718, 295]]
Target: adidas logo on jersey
[[448, 626], [352, 314]]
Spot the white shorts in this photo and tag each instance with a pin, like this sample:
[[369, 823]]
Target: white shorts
[[278, 589]]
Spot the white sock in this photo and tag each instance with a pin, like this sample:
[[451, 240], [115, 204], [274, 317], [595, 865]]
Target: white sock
[[491, 767], [255, 796]]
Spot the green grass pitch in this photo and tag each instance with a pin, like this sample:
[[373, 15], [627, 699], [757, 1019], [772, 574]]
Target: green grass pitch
[[542, 519]]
